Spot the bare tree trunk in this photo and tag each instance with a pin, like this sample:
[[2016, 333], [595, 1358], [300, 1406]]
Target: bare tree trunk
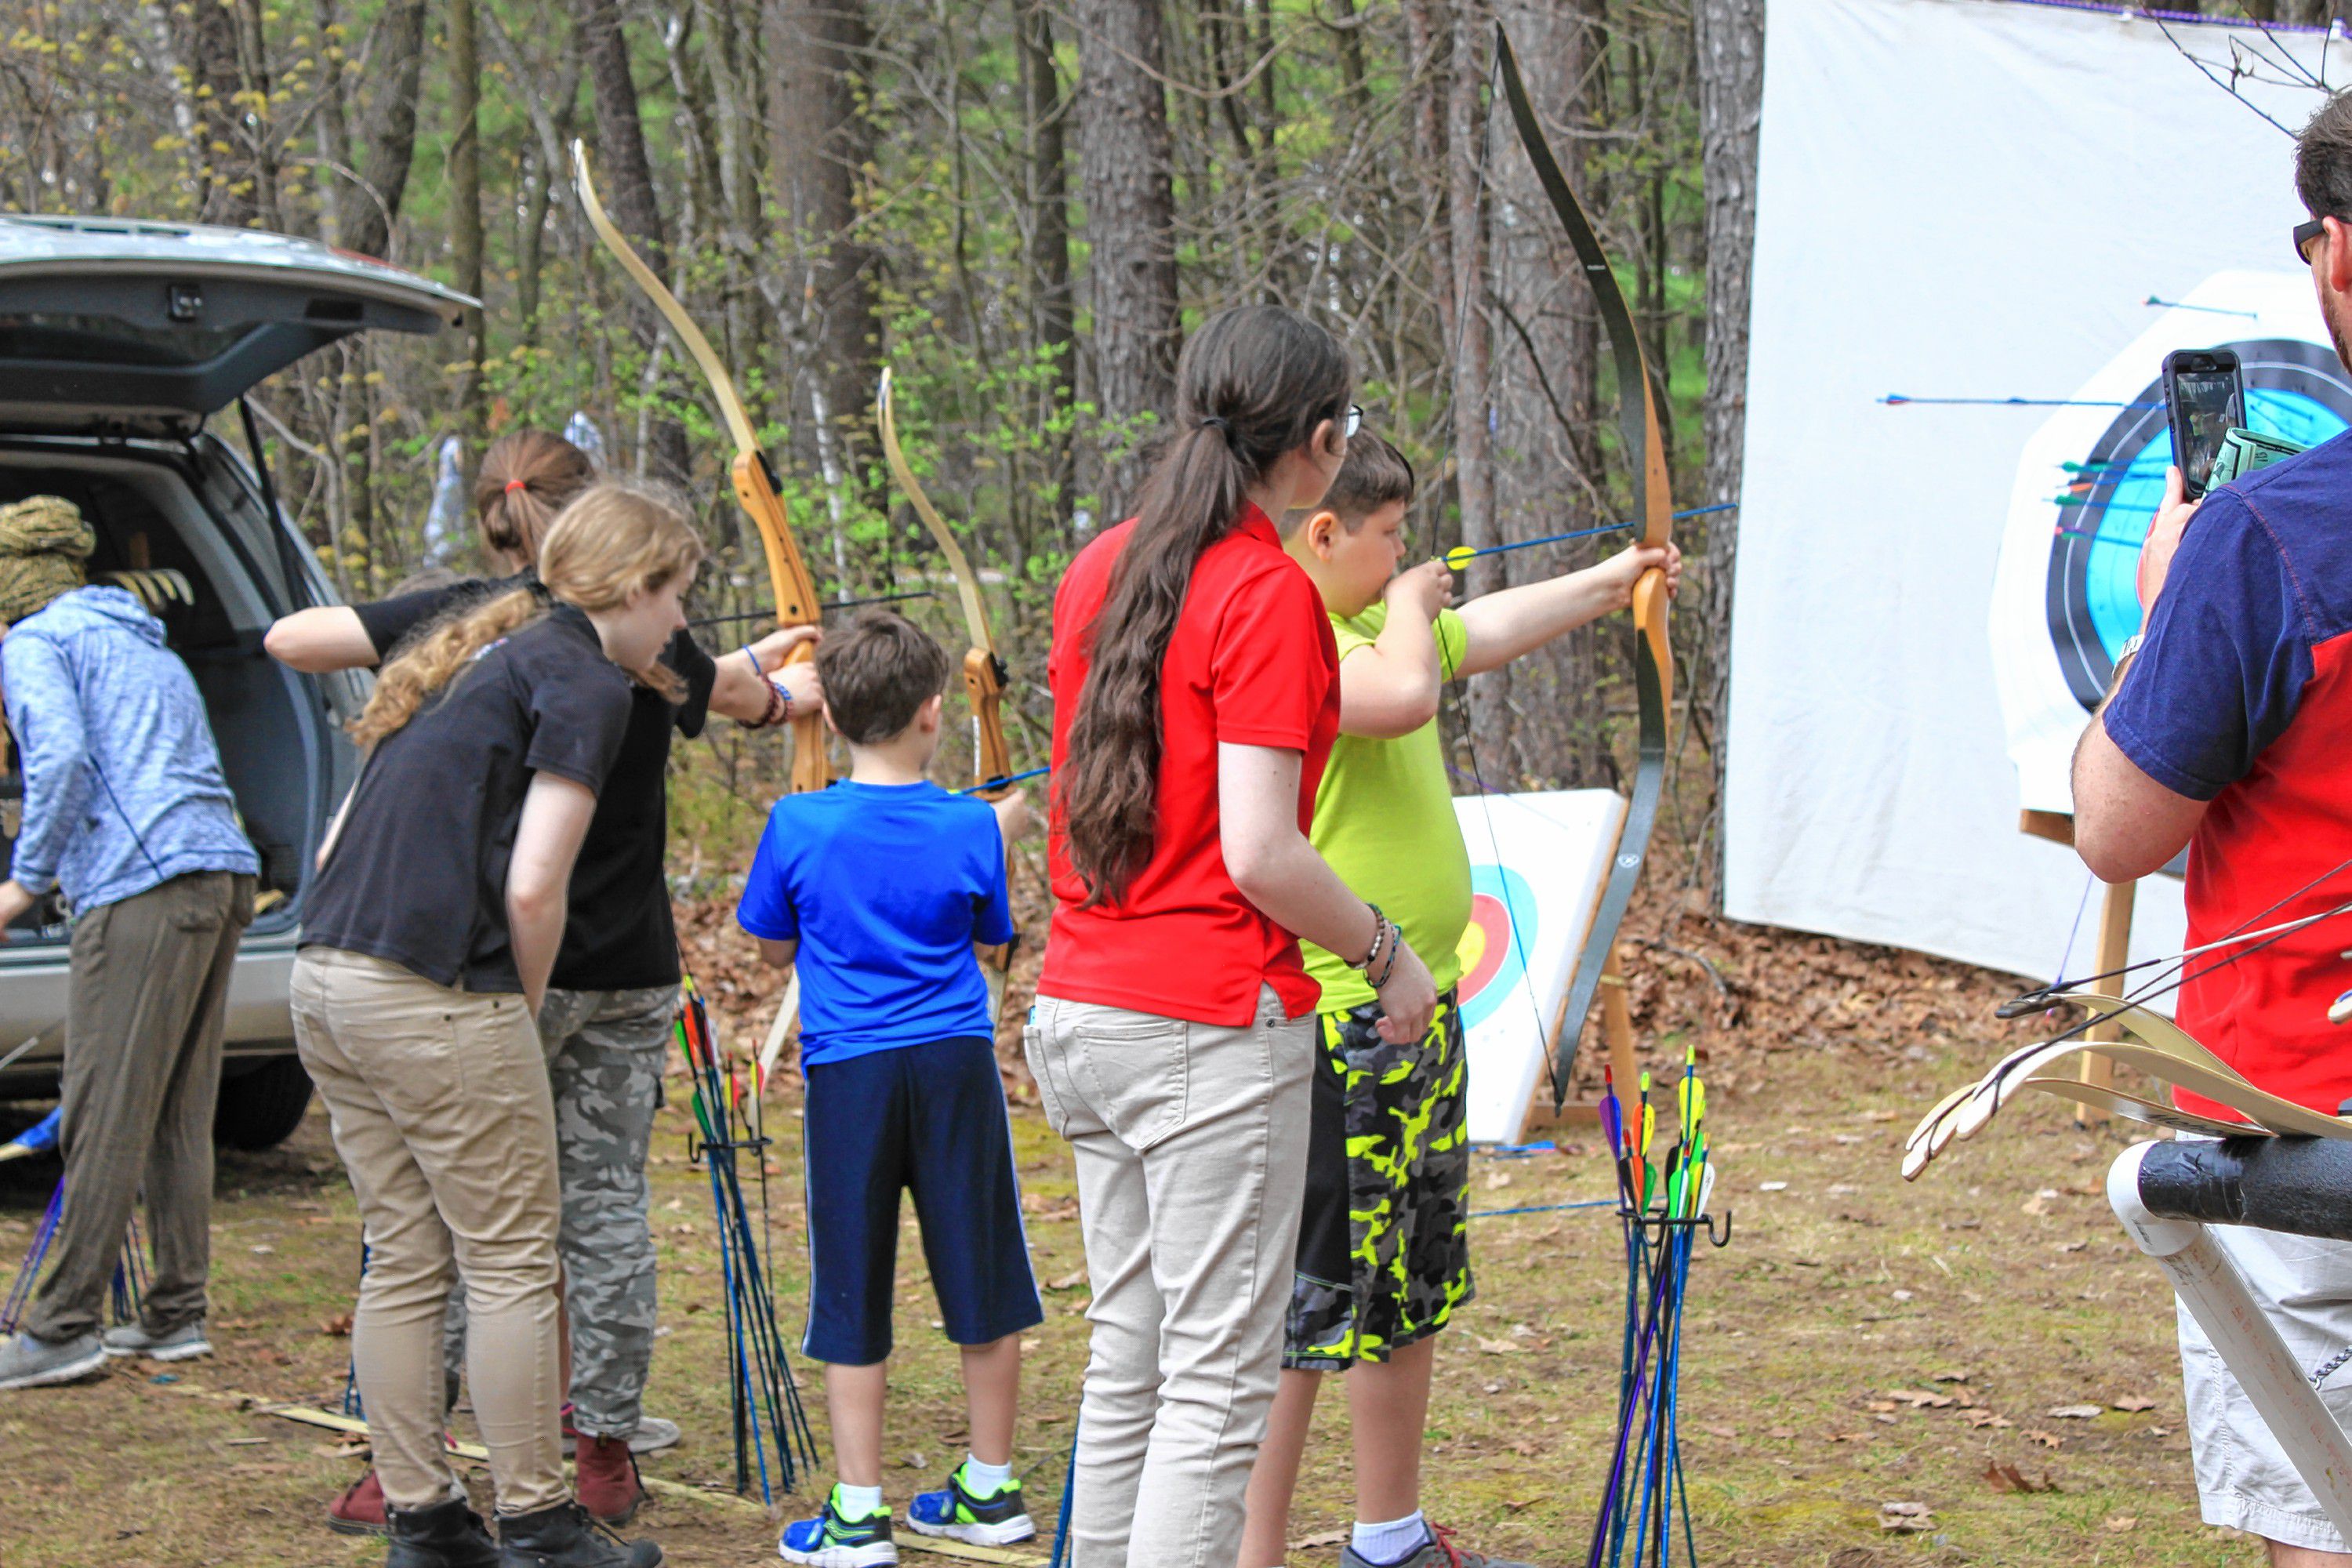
[[1547, 462], [624, 179], [387, 133], [1123, 178], [335, 196], [466, 219], [225, 178], [1053, 319], [1456, 78], [823, 148], [1729, 36]]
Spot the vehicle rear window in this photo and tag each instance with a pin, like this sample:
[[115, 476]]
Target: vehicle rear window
[[54, 335]]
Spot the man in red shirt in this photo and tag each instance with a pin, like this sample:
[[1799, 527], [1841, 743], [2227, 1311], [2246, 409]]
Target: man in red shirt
[[2223, 733]]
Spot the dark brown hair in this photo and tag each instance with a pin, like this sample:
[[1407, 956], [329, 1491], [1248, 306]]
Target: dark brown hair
[[1374, 475], [877, 674], [1253, 384], [526, 478]]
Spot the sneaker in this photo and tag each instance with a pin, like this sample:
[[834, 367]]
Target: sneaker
[[1437, 1551], [829, 1541], [652, 1436], [565, 1537], [184, 1344], [449, 1534], [959, 1515], [29, 1362], [606, 1480], [360, 1510]]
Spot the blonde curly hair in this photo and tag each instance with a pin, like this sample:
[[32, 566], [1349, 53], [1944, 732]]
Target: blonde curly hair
[[614, 540]]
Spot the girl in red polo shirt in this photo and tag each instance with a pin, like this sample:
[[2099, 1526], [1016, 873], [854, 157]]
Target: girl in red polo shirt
[[1195, 697]]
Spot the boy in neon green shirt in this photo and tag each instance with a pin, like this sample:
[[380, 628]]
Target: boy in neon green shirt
[[1383, 1247]]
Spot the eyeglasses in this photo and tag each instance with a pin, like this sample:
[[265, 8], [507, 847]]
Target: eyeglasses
[[2305, 233], [1355, 421]]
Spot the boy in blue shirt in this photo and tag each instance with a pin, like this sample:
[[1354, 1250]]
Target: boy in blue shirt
[[879, 888]]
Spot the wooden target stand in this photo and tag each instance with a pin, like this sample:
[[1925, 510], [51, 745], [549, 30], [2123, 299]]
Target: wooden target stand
[[2113, 949], [1625, 1062]]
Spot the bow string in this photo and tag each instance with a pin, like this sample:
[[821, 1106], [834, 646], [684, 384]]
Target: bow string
[[1643, 422]]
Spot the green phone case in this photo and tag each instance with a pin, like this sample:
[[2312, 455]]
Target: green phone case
[[2242, 452]]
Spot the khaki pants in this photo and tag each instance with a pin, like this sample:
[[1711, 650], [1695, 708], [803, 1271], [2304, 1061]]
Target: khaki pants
[[1190, 1142], [144, 1006], [442, 1116]]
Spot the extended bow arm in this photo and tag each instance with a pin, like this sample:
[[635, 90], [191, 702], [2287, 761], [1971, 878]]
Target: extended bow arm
[[755, 480], [1643, 422]]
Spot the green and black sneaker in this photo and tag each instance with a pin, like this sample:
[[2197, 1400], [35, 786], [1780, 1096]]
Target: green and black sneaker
[[829, 1541], [954, 1512]]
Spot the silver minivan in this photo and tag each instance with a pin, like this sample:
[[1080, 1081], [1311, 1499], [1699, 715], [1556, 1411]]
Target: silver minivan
[[126, 349]]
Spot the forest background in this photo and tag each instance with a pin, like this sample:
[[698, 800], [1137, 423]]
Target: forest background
[[1018, 206]]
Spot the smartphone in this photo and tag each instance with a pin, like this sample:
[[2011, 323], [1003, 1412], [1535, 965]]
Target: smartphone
[[2203, 399]]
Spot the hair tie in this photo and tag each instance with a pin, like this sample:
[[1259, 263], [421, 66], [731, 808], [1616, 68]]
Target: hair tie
[[1220, 424], [514, 485]]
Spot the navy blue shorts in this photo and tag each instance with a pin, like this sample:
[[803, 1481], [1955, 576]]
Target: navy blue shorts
[[931, 1120]]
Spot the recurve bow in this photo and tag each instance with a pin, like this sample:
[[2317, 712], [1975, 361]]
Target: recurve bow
[[1642, 422]]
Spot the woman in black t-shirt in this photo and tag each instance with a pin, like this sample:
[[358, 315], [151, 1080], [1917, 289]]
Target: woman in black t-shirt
[[606, 1021], [428, 940]]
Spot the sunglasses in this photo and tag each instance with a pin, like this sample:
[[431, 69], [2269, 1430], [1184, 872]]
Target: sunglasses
[[2305, 233], [1354, 421]]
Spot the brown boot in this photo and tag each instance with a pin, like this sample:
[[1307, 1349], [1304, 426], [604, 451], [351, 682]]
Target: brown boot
[[360, 1510], [607, 1483]]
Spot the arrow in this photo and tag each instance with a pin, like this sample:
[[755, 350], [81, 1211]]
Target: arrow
[[1896, 398], [2209, 309], [1462, 555], [770, 614]]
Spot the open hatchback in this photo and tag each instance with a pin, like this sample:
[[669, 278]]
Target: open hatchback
[[125, 348]]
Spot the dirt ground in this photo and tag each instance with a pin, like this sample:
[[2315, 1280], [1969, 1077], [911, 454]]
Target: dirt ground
[[1860, 1343]]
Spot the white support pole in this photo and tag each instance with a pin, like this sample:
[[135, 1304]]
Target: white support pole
[[2210, 1286]]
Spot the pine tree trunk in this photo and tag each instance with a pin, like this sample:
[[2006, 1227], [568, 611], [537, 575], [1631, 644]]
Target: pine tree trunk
[[1124, 179], [465, 218], [624, 179], [825, 146], [1731, 47], [1052, 317]]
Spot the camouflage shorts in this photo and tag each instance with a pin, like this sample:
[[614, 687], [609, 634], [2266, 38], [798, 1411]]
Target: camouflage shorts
[[1384, 1246]]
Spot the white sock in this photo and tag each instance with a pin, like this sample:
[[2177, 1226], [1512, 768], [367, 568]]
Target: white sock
[[857, 1502], [983, 1480], [1393, 1542]]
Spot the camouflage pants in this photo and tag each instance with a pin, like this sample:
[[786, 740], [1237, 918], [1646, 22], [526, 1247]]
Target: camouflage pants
[[606, 1051], [1384, 1245]]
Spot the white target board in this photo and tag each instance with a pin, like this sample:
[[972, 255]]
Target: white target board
[[1536, 863]]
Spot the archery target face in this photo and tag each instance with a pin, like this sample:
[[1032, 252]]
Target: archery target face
[[1493, 941], [1536, 863], [2088, 483]]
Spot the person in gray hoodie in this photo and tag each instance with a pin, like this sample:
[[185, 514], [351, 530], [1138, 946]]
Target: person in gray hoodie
[[127, 811]]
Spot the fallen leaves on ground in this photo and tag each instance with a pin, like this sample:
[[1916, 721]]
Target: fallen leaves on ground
[[2007, 1478]]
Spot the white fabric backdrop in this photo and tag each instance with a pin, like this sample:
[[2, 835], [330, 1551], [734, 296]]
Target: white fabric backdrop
[[1956, 197]]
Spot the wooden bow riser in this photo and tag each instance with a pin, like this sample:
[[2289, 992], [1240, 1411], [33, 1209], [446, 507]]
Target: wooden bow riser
[[796, 602]]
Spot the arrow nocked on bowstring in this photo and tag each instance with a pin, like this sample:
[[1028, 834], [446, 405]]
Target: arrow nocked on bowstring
[[1462, 554], [824, 606]]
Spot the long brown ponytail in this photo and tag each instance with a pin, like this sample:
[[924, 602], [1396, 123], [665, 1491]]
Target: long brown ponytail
[[527, 477], [1252, 383]]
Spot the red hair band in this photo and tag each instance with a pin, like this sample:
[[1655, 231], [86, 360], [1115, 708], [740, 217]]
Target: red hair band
[[514, 485]]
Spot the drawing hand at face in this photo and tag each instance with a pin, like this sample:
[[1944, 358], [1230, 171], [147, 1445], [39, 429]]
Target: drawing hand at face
[[1422, 590]]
